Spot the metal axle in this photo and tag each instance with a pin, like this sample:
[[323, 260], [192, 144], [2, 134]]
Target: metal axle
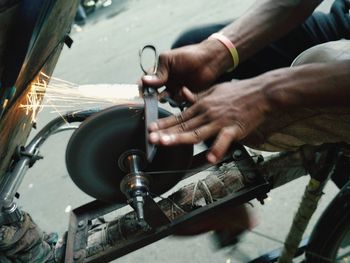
[[135, 185]]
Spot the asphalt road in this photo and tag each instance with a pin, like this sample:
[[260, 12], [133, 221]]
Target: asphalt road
[[106, 51]]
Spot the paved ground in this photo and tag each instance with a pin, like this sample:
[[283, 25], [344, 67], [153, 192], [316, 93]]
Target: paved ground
[[106, 51]]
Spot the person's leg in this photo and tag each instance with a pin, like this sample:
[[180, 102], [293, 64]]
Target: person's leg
[[24, 242]]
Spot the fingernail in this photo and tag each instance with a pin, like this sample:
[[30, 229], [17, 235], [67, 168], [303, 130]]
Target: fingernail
[[150, 77], [166, 139], [211, 158], [154, 137], [153, 126]]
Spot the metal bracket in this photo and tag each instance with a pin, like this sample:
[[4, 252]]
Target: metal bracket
[[24, 158], [79, 221], [22, 152], [77, 241], [248, 168], [68, 41]]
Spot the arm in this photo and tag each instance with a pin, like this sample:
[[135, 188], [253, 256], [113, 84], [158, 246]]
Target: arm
[[198, 66], [232, 110], [311, 85], [265, 22]]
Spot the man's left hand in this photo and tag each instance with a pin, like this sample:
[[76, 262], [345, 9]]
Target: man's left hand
[[229, 111]]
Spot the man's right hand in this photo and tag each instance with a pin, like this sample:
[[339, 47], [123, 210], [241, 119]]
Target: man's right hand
[[195, 67]]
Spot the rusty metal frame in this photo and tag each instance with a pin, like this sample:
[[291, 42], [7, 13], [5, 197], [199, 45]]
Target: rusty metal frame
[[81, 218]]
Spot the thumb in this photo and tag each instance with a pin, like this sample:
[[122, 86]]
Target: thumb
[[188, 95], [161, 77], [152, 81]]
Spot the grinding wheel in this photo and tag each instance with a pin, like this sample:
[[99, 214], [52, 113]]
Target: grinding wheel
[[95, 147]]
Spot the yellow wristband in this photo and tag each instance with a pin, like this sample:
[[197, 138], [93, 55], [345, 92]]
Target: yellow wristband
[[230, 46]]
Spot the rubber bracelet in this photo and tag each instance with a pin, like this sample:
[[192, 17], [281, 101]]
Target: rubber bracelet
[[230, 46]]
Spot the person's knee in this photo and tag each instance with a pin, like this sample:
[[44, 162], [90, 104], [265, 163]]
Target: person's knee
[[327, 52]]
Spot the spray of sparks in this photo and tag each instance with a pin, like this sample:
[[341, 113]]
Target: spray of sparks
[[62, 96]]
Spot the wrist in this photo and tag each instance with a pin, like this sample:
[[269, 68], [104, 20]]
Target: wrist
[[229, 46], [219, 57], [276, 88]]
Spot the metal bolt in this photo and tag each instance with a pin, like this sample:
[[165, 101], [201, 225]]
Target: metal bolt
[[237, 154], [76, 256], [81, 223], [251, 176], [260, 159]]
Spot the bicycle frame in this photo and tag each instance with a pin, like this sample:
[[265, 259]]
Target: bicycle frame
[[26, 157]]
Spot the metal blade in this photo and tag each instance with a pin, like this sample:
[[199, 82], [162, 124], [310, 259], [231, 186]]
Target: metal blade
[[151, 115], [154, 216]]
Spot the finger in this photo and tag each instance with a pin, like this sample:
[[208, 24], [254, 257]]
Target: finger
[[191, 137], [166, 97], [185, 126], [189, 95], [222, 143], [152, 81], [173, 120], [162, 75]]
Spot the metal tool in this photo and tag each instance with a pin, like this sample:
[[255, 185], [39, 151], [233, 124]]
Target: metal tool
[[97, 154], [106, 158], [150, 97]]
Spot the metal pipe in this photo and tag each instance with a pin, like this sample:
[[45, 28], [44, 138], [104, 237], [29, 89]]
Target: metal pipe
[[13, 179], [12, 182], [135, 184]]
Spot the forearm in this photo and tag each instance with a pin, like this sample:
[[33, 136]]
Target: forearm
[[265, 22], [312, 85]]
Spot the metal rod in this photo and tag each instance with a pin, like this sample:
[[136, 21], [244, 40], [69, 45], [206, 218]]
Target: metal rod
[[12, 180], [307, 207]]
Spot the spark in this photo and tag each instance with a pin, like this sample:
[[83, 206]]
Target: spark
[[34, 99], [62, 96]]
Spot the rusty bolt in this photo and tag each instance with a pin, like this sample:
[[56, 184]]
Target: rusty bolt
[[81, 223], [76, 256]]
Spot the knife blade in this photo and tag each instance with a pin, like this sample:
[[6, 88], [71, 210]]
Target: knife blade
[[150, 98]]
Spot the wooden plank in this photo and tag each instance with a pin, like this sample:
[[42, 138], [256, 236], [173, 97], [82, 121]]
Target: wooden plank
[[7, 17]]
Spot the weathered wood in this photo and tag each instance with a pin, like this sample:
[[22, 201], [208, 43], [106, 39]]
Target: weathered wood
[[7, 17], [15, 125]]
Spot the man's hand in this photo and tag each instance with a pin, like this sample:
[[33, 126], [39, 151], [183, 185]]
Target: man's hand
[[195, 67], [230, 110]]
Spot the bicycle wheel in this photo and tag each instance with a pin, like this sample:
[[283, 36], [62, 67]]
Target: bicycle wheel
[[330, 239]]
